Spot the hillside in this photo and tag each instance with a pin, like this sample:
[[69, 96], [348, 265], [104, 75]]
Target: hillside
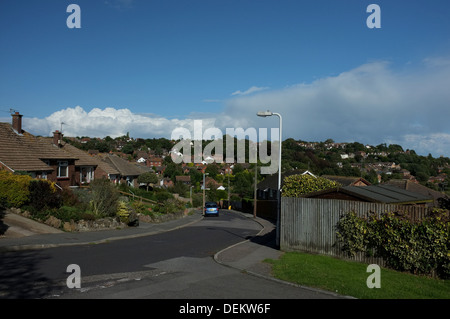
[[374, 163]]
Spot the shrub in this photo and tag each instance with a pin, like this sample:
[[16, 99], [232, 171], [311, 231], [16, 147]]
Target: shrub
[[163, 196], [297, 185], [105, 197], [351, 231], [197, 200], [14, 190], [69, 197], [421, 247], [44, 195], [138, 207], [123, 213], [67, 213]]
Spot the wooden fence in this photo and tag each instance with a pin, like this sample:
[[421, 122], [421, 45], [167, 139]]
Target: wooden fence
[[309, 224]]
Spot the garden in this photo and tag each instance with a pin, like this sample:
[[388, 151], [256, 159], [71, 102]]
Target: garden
[[101, 205]]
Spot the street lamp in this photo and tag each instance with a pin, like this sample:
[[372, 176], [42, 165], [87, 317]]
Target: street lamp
[[266, 114], [204, 188]]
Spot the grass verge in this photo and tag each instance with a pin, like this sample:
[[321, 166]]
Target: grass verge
[[349, 278]]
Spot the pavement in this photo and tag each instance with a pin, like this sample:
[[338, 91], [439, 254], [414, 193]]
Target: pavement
[[247, 256]]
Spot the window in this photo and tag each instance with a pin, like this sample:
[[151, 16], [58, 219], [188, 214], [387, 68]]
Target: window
[[63, 169], [86, 174]]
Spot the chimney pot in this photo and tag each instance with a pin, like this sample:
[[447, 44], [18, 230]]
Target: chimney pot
[[17, 122], [57, 138]]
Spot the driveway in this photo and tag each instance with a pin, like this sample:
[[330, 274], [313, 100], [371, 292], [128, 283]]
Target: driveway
[[16, 226]]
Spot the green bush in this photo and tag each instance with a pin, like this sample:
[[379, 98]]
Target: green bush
[[123, 212], [139, 207], [14, 190], [68, 213], [69, 197], [351, 232], [43, 195], [421, 247], [197, 200], [104, 198], [297, 185], [163, 196]]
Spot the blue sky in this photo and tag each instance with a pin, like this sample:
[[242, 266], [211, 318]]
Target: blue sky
[[147, 67]]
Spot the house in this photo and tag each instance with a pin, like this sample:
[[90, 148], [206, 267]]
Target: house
[[417, 188], [348, 180], [267, 189], [154, 162], [210, 183], [128, 172], [20, 151], [166, 182], [141, 154], [160, 170], [183, 179], [227, 169], [87, 166], [387, 194]]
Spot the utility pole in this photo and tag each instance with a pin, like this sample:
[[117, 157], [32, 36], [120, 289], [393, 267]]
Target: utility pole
[[228, 204], [254, 198], [204, 190]]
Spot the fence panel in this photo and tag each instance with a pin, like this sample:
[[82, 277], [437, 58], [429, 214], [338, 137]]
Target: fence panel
[[309, 224]]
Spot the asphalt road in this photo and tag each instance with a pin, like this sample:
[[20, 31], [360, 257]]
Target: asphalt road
[[171, 265]]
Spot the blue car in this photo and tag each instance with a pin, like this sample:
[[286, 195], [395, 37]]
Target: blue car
[[211, 208]]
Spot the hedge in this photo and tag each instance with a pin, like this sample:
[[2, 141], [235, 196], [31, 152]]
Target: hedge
[[420, 247], [297, 185]]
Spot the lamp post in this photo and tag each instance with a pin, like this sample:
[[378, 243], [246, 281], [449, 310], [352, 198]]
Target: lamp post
[[204, 189], [266, 114]]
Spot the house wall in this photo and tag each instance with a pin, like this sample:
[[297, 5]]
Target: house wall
[[64, 182]]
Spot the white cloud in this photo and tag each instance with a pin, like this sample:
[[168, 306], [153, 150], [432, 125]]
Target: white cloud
[[436, 144], [371, 104], [109, 121], [251, 90], [437, 62]]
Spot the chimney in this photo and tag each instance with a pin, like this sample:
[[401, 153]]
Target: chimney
[[17, 122], [57, 138]]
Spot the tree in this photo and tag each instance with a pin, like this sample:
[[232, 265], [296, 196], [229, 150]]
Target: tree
[[242, 184], [172, 170], [148, 178], [128, 149], [212, 170]]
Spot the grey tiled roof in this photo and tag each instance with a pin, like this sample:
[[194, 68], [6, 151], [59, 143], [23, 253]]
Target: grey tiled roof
[[25, 152]]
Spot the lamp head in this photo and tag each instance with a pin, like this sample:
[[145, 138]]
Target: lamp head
[[264, 114]]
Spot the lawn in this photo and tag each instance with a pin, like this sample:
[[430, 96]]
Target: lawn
[[349, 278]]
